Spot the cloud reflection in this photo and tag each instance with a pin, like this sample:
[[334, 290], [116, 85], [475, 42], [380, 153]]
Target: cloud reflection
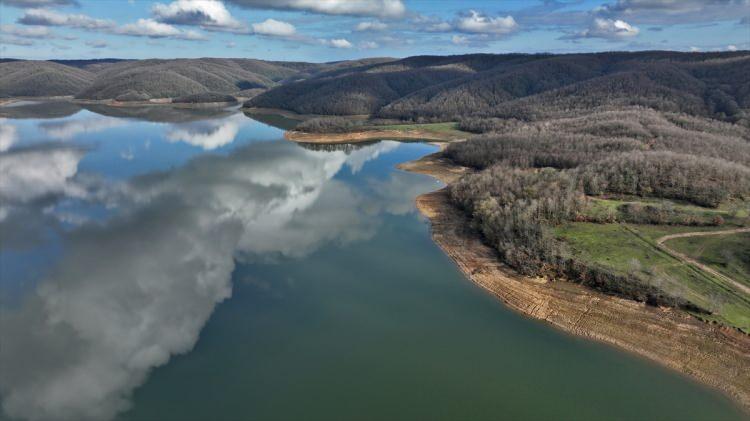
[[130, 293], [8, 135], [31, 174], [208, 134], [68, 129]]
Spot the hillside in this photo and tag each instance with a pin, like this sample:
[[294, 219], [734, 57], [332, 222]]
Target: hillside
[[41, 78], [142, 80], [525, 86], [148, 79]]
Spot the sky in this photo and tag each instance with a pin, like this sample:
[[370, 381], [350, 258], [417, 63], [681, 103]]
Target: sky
[[330, 30]]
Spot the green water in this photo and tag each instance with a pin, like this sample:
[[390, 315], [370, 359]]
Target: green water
[[199, 267]]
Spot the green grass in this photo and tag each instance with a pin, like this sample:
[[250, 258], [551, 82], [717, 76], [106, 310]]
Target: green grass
[[728, 254], [446, 128], [632, 249]]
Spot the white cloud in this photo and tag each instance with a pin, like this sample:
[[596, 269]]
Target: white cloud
[[153, 29], [459, 40], [38, 32], [371, 26], [275, 28], [368, 45], [731, 48], [380, 8], [694, 49], [47, 17], [210, 14], [340, 43], [479, 23], [608, 29]]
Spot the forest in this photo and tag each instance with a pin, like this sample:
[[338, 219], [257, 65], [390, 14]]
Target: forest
[[534, 180], [526, 87]]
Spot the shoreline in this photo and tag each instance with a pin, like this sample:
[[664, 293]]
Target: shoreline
[[713, 355], [366, 136], [160, 102]]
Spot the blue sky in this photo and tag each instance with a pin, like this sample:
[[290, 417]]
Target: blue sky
[[327, 30]]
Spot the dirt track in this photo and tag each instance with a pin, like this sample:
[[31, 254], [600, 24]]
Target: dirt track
[[687, 259]]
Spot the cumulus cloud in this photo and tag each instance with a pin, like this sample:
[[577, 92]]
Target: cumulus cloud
[[368, 45], [731, 47], [39, 3], [209, 14], [338, 43], [379, 8], [46, 17], [374, 25], [274, 28], [478, 23], [606, 28], [153, 29]]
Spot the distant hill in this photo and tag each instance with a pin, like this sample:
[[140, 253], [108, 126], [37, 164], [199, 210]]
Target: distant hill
[[524, 86], [41, 78], [147, 79], [138, 80]]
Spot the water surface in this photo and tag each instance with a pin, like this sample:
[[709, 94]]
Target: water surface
[[167, 264]]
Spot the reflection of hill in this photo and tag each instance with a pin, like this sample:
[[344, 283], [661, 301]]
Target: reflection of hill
[[345, 147], [161, 113], [56, 109], [275, 120]]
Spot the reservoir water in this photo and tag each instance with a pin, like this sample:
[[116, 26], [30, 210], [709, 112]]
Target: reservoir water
[[173, 264]]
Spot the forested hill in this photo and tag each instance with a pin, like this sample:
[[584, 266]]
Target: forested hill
[[525, 86], [141, 80]]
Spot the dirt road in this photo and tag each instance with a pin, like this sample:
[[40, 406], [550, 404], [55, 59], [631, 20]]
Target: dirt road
[[660, 242]]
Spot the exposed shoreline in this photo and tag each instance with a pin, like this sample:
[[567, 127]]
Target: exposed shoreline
[[113, 103], [711, 354], [365, 136]]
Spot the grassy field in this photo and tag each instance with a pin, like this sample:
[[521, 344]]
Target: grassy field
[[729, 254], [632, 249], [447, 128]]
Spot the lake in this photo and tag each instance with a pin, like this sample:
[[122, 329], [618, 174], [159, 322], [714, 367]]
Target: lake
[[175, 264]]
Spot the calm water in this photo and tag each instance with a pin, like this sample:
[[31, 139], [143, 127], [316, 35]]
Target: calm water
[[162, 264]]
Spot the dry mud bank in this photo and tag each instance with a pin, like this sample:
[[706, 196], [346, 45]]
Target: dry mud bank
[[714, 355], [364, 136]]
